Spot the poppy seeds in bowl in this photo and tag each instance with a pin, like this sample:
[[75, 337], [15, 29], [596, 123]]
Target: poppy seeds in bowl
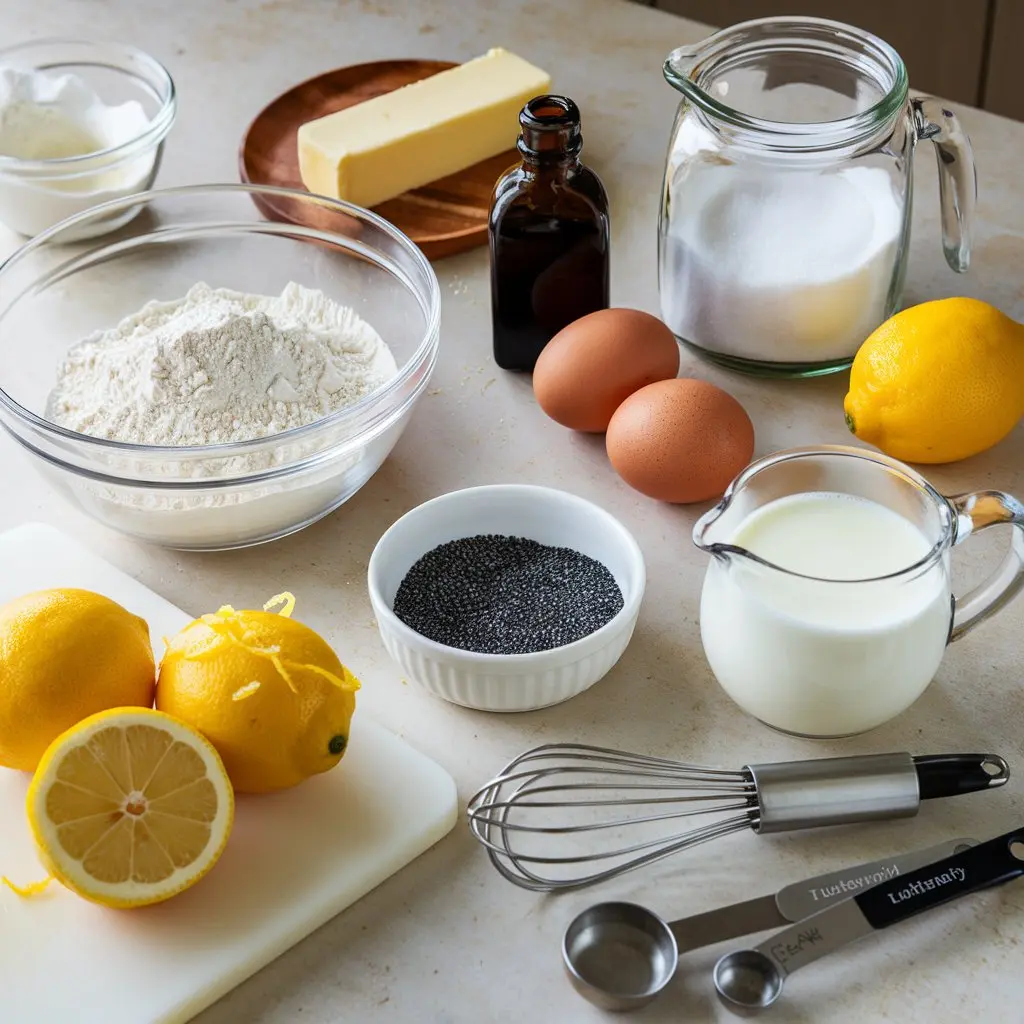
[[493, 594]]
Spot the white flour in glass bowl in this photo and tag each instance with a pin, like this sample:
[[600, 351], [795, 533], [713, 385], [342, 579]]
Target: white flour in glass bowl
[[215, 367]]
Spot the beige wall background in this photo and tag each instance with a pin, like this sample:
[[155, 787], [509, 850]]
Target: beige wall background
[[971, 51]]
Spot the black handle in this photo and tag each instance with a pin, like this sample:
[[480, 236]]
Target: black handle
[[980, 867], [941, 775]]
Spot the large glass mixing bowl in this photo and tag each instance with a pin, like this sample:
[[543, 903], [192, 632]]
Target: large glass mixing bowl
[[54, 292]]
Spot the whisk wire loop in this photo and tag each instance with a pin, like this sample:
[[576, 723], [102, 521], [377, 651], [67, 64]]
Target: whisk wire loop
[[576, 781]]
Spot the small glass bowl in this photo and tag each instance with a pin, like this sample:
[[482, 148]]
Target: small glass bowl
[[37, 194], [204, 498]]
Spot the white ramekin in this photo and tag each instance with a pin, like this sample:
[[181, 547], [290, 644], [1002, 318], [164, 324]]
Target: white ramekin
[[513, 682]]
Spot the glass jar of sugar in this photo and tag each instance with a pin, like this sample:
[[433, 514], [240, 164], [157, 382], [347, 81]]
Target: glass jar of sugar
[[785, 216]]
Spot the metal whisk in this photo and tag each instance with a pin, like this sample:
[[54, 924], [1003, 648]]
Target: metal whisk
[[559, 807]]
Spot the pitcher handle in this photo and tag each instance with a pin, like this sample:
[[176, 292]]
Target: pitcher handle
[[978, 511], [958, 181]]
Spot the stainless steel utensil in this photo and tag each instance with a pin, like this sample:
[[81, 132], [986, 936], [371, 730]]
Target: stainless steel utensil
[[750, 980], [620, 956], [560, 806]]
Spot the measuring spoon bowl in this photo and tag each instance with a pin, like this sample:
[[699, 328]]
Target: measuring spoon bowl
[[619, 956], [747, 982]]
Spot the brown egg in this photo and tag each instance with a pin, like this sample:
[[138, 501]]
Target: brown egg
[[680, 440], [590, 367]]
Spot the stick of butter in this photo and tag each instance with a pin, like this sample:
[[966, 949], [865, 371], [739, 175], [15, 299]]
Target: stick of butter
[[385, 146]]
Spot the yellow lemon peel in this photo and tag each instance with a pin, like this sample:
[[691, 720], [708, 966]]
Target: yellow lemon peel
[[938, 382], [31, 889], [349, 683], [226, 624], [233, 670], [49, 638], [287, 599], [282, 671]]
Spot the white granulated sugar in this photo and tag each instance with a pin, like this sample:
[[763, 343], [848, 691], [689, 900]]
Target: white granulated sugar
[[44, 116], [779, 266], [219, 366]]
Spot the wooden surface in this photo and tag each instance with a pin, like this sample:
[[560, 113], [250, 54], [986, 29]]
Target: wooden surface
[[442, 218]]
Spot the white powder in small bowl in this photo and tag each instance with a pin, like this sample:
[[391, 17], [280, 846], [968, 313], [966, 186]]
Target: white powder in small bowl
[[54, 117]]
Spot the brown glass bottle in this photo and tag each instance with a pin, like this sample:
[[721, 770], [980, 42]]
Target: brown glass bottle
[[548, 234]]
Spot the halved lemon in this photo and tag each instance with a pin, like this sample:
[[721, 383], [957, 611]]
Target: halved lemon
[[130, 807]]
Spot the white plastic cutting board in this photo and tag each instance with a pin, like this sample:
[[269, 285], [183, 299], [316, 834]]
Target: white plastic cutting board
[[294, 860]]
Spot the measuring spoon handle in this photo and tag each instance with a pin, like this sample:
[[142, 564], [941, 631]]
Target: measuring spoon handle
[[801, 899], [983, 866], [980, 867]]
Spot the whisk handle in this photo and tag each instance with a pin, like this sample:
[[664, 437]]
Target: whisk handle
[[866, 787], [941, 775]]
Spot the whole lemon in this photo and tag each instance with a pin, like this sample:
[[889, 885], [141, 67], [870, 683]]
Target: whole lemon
[[268, 692], [65, 655], [939, 381]]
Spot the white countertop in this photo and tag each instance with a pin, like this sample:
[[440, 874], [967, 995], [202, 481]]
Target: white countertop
[[447, 940]]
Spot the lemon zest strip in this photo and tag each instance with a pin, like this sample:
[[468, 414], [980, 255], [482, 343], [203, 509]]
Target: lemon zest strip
[[350, 684], [267, 652], [287, 599], [225, 624], [31, 889], [283, 673]]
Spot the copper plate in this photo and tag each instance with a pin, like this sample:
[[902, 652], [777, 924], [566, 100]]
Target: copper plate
[[442, 218]]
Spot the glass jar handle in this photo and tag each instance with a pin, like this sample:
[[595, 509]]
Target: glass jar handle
[[976, 512], [958, 181]]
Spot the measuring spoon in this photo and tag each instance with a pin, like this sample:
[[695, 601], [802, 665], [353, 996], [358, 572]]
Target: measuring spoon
[[750, 980], [619, 956]]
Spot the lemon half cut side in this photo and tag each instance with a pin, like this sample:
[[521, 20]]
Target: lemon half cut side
[[130, 807]]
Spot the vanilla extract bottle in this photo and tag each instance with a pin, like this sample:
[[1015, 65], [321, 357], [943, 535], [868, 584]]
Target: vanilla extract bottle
[[549, 235]]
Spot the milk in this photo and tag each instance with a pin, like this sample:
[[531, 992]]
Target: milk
[[834, 650], [794, 266]]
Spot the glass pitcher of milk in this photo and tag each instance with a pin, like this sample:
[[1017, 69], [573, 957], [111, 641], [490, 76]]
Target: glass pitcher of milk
[[827, 604], [785, 215]]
